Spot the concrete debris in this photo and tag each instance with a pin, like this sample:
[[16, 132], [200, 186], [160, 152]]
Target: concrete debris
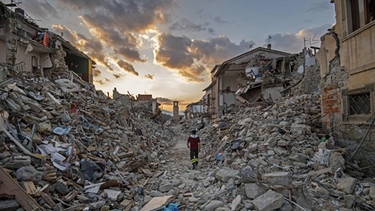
[[78, 149], [269, 201], [66, 146], [282, 160]]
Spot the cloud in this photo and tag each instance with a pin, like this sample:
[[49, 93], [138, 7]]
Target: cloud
[[174, 51], [116, 29], [320, 6], [82, 4], [194, 58], [40, 9], [96, 72], [67, 34], [186, 25], [131, 54], [101, 82], [164, 101], [149, 76], [219, 20], [92, 47], [127, 67], [217, 50], [294, 43], [125, 15]]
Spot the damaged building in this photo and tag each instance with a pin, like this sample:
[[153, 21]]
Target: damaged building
[[26, 47], [194, 110], [260, 76], [347, 64], [225, 78]]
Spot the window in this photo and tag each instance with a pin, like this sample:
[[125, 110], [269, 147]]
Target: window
[[34, 63], [359, 104], [360, 13]]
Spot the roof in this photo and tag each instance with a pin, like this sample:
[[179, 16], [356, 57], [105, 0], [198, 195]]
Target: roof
[[209, 86], [70, 47], [226, 64]]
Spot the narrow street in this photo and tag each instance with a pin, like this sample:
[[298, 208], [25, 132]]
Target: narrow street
[[98, 100], [192, 187]]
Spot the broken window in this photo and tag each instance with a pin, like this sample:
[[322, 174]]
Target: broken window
[[360, 13], [359, 104]]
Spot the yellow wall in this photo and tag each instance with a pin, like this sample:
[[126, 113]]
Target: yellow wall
[[357, 49]]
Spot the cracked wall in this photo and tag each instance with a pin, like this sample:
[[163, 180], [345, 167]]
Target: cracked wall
[[347, 68], [9, 41]]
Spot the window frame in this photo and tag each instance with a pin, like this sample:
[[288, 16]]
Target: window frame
[[346, 107], [358, 14], [34, 63]]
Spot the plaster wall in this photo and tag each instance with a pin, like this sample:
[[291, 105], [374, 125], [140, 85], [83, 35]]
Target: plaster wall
[[2, 51], [272, 93], [229, 87], [347, 63]]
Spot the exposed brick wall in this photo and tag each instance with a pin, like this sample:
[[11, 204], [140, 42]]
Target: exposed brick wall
[[331, 100], [331, 106], [331, 85]]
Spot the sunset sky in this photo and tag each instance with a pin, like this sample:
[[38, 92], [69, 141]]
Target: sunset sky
[[168, 47]]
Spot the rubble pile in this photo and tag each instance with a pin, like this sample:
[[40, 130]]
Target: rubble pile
[[65, 146], [272, 158]]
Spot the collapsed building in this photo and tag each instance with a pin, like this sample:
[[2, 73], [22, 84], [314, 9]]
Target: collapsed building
[[57, 131], [261, 76], [26, 47]]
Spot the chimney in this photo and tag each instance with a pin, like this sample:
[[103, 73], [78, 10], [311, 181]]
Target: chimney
[[269, 46]]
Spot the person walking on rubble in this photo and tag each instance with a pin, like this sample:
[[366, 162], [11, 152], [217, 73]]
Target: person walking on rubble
[[193, 143]]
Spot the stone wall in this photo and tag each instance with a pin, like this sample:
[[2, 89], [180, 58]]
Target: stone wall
[[310, 82], [10, 28]]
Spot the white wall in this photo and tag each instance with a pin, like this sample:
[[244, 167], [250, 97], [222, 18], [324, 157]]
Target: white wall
[[273, 92], [44, 60]]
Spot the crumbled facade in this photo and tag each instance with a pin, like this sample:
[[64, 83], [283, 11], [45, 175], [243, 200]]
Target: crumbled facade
[[227, 78], [25, 47], [194, 110], [347, 70]]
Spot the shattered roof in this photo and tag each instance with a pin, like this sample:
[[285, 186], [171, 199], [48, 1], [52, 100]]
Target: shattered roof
[[226, 65]]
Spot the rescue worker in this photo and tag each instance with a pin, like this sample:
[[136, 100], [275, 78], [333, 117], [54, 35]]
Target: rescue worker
[[193, 143]]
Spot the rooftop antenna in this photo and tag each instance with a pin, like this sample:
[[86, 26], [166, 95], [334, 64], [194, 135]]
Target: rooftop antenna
[[313, 40], [304, 42], [269, 39]]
